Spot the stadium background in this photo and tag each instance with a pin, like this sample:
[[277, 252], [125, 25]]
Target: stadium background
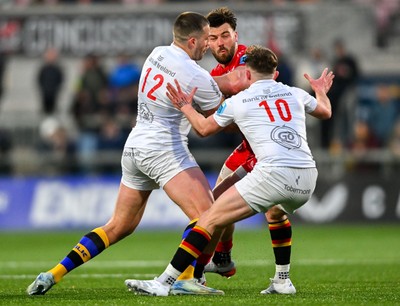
[[38, 191]]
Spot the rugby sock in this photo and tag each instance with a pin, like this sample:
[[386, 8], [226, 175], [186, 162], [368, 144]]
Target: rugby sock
[[281, 236], [189, 272], [189, 249], [224, 246], [202, 260], [88, 247], [222, 253], [282, 271]]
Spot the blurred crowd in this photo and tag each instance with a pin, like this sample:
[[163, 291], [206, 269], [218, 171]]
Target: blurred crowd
[[103, 108], [366, 111], [52, 2]]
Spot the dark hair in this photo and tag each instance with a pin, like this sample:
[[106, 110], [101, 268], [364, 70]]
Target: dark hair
[[261, 59], [188, 24], [219, 16]]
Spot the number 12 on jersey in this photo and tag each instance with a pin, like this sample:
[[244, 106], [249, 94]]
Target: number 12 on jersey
[[159, 80]]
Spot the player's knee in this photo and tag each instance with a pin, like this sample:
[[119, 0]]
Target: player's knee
[[116, 231], [275, 214]]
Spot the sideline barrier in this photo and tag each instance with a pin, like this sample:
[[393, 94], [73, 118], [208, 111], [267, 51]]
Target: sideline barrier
[[86, 202], [80, 202], [357, 197]]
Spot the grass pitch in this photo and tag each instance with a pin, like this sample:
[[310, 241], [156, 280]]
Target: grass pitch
[[331, 265]]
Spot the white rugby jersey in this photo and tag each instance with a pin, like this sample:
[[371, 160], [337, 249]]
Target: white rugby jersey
[[159, 125], [271, 116]]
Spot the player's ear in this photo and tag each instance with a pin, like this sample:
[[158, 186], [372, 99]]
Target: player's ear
[[248, 74], [191, 42], [276, 74]]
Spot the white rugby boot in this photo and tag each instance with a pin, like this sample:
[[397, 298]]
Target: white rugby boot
[[43, 282], [147, 287], [193, 287], [280, 286]]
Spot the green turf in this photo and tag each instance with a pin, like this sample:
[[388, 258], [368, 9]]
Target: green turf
[[331, 265]]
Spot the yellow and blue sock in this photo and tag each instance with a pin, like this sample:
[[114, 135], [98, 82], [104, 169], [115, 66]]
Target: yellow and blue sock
[[88, 247]]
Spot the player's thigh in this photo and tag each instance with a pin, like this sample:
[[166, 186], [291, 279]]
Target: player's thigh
[[275, 214], [134, 173], [130, 202], [229, 208], [266, 186], [128, 212], [134, 191], [177, 172], [226, 183], [190, 190]]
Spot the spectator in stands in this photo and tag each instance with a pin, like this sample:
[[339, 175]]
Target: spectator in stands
[[92, 94], [394, 144], [93, 79], [111, 136], [385, 12], [314, 62], [286, 70], [6, 146], [5, 137], [56, 148], [363, 140], [125, 73], [124, 80], [143, 1], [50, 79], [382, 111], [342, 94], [111, 140], [3, 62]]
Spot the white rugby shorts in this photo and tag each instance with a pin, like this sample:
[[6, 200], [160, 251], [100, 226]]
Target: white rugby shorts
[[144, 169], [267, 186]]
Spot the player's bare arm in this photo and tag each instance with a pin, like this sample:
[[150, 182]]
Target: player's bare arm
[[321, 87], [183, 102], [233, 82]]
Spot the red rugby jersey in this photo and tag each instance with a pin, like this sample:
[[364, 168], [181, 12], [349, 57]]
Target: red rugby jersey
[[236, 61]]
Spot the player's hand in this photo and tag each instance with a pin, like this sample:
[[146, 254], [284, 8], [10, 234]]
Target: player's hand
[[323, 83], [239, 79], [178, 97]]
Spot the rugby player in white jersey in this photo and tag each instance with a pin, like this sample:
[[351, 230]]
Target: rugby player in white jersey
[[272, 117], [156, 152], [224, 46]]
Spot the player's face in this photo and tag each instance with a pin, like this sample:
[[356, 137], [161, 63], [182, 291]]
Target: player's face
[[223, 43], [201, 44]]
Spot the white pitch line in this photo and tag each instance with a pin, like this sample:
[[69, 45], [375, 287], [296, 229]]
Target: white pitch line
[[160, 263], [92, 264], [94, 275]]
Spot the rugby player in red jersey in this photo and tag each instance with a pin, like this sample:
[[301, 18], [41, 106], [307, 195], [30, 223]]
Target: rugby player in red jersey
[[229, 75]]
